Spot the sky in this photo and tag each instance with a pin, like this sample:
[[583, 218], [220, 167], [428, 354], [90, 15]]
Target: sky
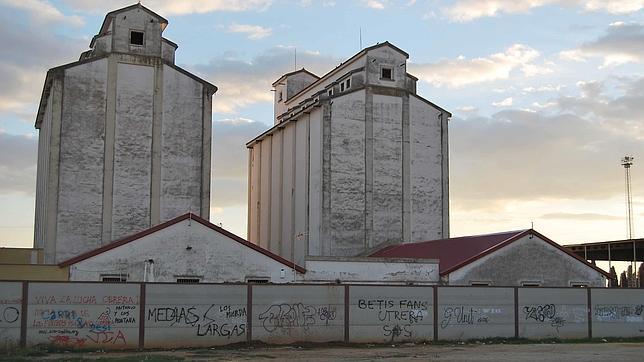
[[547, 96]]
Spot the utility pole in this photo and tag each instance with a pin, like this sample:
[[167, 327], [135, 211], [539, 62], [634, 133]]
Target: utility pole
[[627, 162]]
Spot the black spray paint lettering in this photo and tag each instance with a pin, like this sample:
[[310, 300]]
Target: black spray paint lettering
[[174, 315], [286, 316], [9, 315], [396, 330], [462, 315]]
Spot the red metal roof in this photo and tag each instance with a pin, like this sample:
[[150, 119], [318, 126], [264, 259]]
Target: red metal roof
[[204, 222], [454, 253]]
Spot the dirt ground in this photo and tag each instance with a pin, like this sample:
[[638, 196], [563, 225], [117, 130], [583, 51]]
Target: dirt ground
[[467, 352]]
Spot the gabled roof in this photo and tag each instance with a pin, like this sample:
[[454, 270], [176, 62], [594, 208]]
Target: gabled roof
[[455, 253], [348, 61], [206, 223], [303, 70], [113, 13]]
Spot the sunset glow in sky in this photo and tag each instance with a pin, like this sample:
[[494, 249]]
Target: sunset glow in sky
[[547, 96]]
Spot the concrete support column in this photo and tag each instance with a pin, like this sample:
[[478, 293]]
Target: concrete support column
[[205, 153], [406, 171], [325, 237], [157, 124], [51, 204], [368, 154], [108, 160]]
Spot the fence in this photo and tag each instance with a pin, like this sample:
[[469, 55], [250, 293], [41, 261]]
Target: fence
[[139, 315]]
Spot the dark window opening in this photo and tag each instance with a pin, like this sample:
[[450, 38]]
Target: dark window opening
[[114, 279], [341, 87], [480, 284], [386, 73], [257, 281], [136, 37], [348, 83], [188, 280]]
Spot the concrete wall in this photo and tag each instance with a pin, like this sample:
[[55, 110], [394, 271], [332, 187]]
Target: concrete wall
[[91, 315], [82, 151], [132, 149], [618, 312], [391, 314], [187, 249], [528, 259], [553, 313], [344, 178], [466, 313], [115, 315], [10, 314], [213, 315], [286, 314], [124, 142], [371, 270]]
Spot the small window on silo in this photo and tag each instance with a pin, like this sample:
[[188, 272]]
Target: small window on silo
[[136, 37], [386, 73]]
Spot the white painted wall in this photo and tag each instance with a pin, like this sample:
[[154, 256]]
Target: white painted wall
[[213, 257], [371, 270], [528, 259]]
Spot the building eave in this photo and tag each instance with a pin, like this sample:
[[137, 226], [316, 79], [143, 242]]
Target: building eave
[[206, 223]]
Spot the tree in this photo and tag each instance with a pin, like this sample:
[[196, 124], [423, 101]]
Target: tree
[[613, 281], [623, 280]]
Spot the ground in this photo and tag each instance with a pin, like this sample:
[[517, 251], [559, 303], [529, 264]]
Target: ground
[[407, 352]]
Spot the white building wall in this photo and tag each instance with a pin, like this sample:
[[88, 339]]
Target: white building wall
[[213, 257], [132, 149], [288, 179], [42, 179], [80, 194], [347, 175], [371, 270], [182, 148], [315, 183], [276, 193], [426, 172], [528, 259], [265, 193], [387, 170], [301, 189]]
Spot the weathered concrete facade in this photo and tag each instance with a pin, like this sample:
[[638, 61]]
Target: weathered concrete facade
[[124, 139], [527, 261], [356, 160], [186, 247]]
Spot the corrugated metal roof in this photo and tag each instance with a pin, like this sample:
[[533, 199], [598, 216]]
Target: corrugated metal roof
[[450, 252]]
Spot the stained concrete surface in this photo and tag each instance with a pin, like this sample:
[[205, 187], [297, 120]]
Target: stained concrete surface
[[470, 352]]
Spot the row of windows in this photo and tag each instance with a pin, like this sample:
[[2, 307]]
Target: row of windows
[[528, 284], [123, 279]]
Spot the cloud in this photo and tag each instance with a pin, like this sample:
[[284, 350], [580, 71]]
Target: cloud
[[174, 7], [43, 12], [27, 54], [504, 103], [462, 71], [622, 43], [580, 216], [246, 82], [467, 10], [571, 152], [253, 32], [230, 160], [374, 4], [17, 164]]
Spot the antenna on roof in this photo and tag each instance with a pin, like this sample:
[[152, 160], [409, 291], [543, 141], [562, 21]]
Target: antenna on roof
[[295, 56], [360, 39]]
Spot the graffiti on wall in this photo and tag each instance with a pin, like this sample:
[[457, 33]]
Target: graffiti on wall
[[619, 312], [284, 316], [397, 316], [462, 315], [212, 320], [544, 313], [87, 321]]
